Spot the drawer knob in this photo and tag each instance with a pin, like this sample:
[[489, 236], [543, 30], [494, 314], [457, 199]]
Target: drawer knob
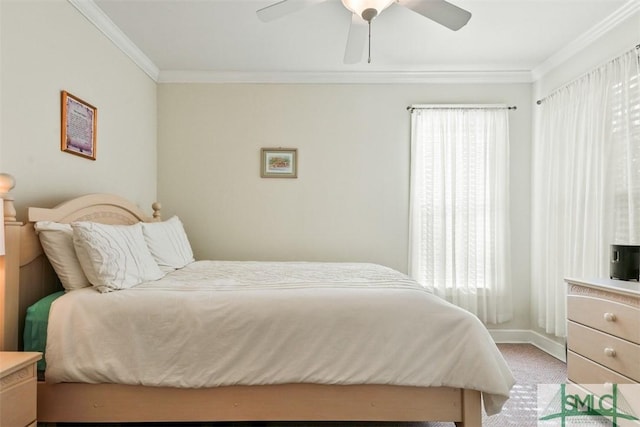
[[609, 352], [610, 317]]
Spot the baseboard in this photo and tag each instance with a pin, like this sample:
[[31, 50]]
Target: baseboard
[[513, 336]]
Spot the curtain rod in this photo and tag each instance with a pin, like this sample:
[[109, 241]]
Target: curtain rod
[[410, 108], [539, 101]]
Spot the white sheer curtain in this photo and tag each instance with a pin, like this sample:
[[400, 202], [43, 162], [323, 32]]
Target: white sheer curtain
[[586, 182], [459, 224]]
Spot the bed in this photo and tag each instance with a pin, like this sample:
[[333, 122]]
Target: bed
[[285, 393]]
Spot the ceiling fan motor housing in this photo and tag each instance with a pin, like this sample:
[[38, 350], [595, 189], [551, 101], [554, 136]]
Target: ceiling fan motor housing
[[369, 14]]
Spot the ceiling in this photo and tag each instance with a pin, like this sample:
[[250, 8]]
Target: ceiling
[[207, 38]]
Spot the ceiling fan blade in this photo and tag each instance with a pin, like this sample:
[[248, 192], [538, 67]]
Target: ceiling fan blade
[[440, 11], [282, 8], [357, 40]]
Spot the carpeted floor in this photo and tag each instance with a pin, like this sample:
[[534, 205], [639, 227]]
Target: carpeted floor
[[530, 367]]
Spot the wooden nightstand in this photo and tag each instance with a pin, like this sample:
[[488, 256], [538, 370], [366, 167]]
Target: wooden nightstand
[[18, 388]]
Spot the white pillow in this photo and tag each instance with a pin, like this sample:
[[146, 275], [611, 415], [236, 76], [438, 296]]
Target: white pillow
[[57, 243], [113, 256], [168, 243]]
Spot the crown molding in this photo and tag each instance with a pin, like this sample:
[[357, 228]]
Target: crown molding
[[101, 21], [600, 29], [339, 77]]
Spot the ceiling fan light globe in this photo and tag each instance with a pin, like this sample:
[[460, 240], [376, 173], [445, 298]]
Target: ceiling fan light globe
[[359, 6]]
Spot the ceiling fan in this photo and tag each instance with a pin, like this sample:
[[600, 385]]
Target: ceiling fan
[[365, 11]]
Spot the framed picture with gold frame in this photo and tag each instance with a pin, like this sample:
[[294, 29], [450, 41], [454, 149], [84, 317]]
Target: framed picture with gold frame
[[79, 125], [279, 163]]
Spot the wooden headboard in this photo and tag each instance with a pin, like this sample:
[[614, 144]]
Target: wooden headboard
[[28, 274]]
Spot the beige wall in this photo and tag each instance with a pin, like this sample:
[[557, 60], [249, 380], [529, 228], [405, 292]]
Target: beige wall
[[350, 202], [48, 46]]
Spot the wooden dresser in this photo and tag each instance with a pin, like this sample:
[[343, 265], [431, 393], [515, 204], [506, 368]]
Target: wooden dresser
[[18, 389], [603, 331]]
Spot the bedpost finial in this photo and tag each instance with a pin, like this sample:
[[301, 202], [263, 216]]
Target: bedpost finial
[[7, 182], [156, 206]]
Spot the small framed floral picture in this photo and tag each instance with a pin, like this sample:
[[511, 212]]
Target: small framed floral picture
[[279, 163]]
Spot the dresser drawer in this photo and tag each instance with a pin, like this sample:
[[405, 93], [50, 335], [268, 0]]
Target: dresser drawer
[[614, 353], [581, 370], [611, 317]]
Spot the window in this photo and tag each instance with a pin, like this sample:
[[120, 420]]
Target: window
[[586, 178], [459, 225], [625, 139]]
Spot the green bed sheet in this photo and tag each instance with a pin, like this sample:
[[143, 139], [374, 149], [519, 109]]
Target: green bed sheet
[[35, 327]]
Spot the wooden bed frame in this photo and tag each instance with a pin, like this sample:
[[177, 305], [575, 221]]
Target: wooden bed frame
[[29, 277]]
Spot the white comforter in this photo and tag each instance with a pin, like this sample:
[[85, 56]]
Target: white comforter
[[217, 323]]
